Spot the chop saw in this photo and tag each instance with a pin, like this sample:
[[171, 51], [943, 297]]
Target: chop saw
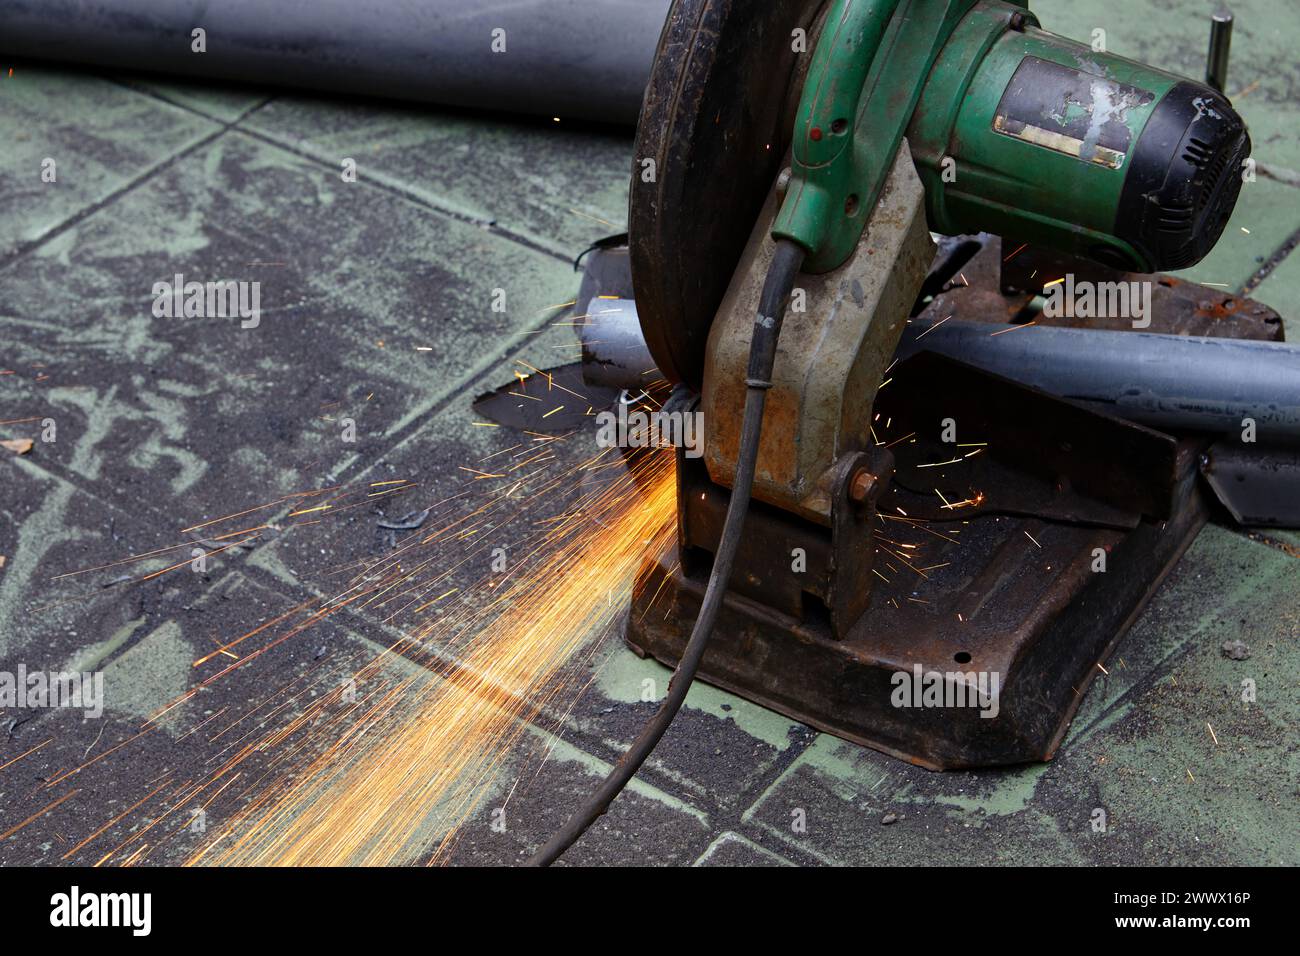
[[795, 162]]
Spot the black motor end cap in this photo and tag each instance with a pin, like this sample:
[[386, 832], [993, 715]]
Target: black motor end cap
[[1184, 178]]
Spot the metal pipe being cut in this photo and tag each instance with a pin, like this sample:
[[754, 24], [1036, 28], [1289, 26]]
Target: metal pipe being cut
[[1177, 382], [614, 352]]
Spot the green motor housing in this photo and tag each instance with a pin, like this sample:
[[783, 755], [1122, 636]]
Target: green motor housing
[[1034, 136]]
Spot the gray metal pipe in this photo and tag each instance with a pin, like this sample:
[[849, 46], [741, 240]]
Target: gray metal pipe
[[1175, 382], [581, 59], [1183, 383], [614, 352]]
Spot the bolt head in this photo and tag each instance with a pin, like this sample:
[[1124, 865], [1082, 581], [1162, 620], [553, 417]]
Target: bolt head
[[861, 485]]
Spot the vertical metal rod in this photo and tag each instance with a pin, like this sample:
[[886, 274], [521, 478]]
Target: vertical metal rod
[[1216, 61]]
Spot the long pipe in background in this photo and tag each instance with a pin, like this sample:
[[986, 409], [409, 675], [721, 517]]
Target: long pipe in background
[[579, 59]]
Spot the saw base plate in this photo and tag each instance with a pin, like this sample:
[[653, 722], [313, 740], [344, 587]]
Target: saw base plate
[[1020, 599]]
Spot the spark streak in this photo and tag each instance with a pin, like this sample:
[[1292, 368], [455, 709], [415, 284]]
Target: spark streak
[[435, 744]]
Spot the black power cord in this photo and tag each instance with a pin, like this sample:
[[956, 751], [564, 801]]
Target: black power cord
[[762, 356]]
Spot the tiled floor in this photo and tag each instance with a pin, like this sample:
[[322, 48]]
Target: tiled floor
[[378, 306]]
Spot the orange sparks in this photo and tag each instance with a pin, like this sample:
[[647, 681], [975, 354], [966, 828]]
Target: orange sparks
[[434, 745]]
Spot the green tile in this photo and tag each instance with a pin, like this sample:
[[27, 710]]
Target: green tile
[[1224, 585], [832, 802], [373, 307], [100, 135], [1187, 770], [50, 526], [733, 849], [645, 826], [561, 191], [171, 765]]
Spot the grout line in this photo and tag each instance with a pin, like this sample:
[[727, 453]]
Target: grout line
[[1270, 264], [1279, 174], [391, 188], [482, 375], [134, 87], [87, 211], [490, 225]]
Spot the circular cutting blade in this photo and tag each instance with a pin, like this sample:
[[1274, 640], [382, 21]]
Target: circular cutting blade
[[715, 128]]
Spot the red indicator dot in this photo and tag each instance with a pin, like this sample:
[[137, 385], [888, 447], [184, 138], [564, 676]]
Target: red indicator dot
[[815, 134]]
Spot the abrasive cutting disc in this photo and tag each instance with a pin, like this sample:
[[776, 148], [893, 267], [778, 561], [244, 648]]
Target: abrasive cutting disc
[[715, 126]]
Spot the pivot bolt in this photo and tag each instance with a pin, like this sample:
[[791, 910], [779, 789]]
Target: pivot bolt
[[861, 485]]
